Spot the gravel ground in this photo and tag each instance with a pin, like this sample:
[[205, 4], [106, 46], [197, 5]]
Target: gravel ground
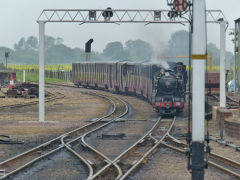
[[61, 115], [132, 130], [54, 167], [74, 110], [167, 164]]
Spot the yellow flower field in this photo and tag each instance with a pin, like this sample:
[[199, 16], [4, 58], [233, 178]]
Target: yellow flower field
[[47, 67]]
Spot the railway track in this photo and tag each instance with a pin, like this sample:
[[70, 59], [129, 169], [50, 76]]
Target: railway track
[[146, 145], [130, 159], [125, 168], [49, 98], [97, 158], [24, 160], [231, 103], [224, 164]]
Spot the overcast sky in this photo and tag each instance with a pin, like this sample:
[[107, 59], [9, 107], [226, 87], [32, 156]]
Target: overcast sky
[[18, 19]]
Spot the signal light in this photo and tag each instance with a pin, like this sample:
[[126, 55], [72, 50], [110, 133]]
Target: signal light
[[172, 14], [157, 15], [92, 15], [107, 14]]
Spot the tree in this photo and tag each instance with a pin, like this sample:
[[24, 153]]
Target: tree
[[139, 50], [216, 54], [49, 42], [31, 43], [122, 55], [59, 41], [21, 44], [59, 54], [112, 49], [178, 45]]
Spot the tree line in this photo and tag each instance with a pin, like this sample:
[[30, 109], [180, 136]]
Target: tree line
[[25, 51]]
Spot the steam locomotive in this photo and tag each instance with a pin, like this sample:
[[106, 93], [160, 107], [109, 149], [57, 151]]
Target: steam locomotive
[[171, 88], [163, 85]]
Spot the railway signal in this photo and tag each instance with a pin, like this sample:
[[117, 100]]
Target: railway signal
[[88, 49], [180, 5], [107, 14]]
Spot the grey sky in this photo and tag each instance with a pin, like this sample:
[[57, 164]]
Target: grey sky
[[18, 19]]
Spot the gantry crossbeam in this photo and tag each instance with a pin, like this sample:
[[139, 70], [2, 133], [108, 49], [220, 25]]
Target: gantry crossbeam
[[120, 16]]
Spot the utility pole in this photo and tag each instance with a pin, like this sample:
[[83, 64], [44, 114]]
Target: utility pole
[[222, 63], [41, 73], [6, 57], [199, 57]]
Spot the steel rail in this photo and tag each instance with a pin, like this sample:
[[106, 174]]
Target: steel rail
[[148, 152], [212, 155], [48, 99], [128, 150], [98, 152], [64, 85], [67, 145], [79, 157], [230, 104], [55, 140]]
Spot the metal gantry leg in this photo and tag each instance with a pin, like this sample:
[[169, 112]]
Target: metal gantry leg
[[222, 64], [199, 49], [235, 55], [41, 72]]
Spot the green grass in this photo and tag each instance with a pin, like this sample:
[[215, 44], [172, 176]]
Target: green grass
[[33, 77]]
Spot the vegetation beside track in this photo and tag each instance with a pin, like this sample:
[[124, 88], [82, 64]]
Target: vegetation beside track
[[61, 73]]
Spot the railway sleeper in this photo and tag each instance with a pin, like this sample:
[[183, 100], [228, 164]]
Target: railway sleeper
[[113, 136]]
